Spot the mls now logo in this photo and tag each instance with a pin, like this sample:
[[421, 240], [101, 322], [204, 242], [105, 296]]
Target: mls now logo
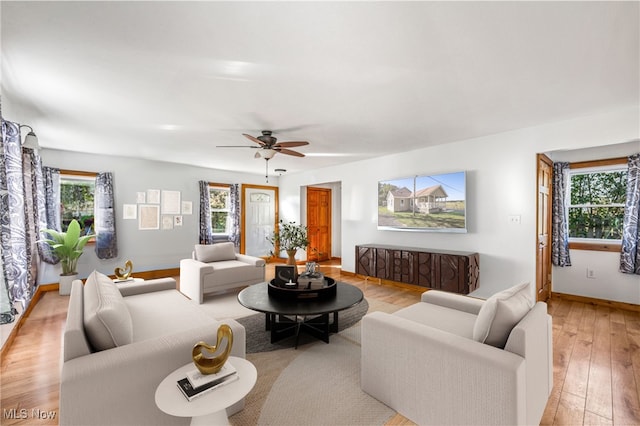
[[23, 413]]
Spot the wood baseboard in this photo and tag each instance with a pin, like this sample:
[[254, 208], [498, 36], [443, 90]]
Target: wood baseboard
[[600, 302]]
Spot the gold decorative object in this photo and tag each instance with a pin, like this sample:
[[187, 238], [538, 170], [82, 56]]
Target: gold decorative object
[[126, 273], [212, 365]]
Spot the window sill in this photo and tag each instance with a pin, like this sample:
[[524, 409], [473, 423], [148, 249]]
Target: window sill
[[612, 247]]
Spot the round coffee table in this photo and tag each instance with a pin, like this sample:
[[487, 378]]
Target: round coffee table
[[286, 318]]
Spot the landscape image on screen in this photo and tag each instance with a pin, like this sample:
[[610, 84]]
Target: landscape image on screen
[[423, 203]]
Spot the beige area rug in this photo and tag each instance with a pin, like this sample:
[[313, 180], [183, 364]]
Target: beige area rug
[[318, 384]]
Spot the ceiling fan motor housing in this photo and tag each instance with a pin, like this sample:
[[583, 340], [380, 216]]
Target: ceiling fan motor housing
[[267, 138]]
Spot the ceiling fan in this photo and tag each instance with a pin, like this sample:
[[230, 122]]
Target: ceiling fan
[[269, 145]]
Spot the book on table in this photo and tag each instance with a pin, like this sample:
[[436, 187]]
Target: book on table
[[196, 384], [192, 393], [197, 379]]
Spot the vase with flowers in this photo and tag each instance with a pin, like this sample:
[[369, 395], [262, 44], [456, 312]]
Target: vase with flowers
[[289, 237]]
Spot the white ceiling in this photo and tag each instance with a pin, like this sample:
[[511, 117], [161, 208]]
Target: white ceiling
[[171, 80]]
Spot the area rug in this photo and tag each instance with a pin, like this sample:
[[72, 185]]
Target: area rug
[[317, 384], [259, 340]]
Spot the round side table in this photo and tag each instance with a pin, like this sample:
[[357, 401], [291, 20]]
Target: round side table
[[210, 408]]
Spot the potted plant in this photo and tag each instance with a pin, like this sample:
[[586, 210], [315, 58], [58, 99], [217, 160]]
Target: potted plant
[[289, 237], [68, 247]]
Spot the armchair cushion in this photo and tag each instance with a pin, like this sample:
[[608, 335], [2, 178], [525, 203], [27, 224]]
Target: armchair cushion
[[107, 320], [500, 313], [215, 252]]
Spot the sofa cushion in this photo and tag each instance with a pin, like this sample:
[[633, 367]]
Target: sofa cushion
[[215, 252], [107, 321], [500, 313]]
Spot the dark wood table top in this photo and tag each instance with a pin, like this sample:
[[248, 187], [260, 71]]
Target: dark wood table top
[[256, 297]]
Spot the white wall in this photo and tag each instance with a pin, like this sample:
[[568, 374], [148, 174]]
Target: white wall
[[501, 181], [608, 282], [152, 249]]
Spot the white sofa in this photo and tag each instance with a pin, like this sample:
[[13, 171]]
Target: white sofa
[[119, 343], [456, 360], [217, 267]]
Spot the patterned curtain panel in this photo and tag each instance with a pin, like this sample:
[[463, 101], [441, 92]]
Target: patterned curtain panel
[[18, 217], [105, 217], [7, 311], [206, 233], [630, 254], [560, 223], [234, 200], [49, 210]]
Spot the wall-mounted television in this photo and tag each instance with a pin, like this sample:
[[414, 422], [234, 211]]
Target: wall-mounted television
[[433, 203]]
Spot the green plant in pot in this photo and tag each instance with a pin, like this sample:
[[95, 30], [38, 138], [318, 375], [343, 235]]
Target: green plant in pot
[[68, 247], [289, 237]]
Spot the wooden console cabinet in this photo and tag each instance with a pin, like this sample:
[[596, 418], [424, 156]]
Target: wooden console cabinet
[[453, 271]]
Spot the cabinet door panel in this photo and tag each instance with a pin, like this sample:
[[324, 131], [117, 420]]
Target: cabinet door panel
[[425, 270], [382, 263], [402, 266], [448, 272], [365, 261]]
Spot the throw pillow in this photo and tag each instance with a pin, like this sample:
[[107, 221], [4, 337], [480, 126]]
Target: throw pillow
[[107, 321], [500, 313], [215, 252]]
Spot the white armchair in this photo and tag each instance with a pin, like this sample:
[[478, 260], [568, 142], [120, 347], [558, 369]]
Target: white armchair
[[217, 267], [455, 360]]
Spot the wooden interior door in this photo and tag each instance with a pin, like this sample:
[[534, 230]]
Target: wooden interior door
[[543, 220], [319, 224]]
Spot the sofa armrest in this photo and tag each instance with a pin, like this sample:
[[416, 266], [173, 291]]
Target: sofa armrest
[[425, 374], [251, 260], [148, 286], [455, 301], [121, 382], [192, 273]]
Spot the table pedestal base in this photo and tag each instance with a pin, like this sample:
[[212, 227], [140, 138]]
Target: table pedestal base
[[283, 326], [219, 418]]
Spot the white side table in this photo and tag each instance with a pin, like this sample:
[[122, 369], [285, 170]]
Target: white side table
[[208, 409]]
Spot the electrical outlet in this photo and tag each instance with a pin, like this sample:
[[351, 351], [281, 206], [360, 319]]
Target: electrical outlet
[[591, 273], [514, 219]]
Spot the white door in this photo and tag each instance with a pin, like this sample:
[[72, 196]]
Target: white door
[[259, 219]]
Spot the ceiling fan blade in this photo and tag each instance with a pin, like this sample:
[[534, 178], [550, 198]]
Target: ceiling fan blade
[[290, 152], [251, 138], [291, 144], [236, 146]]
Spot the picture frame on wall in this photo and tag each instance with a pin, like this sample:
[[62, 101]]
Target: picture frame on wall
[[148, 217]]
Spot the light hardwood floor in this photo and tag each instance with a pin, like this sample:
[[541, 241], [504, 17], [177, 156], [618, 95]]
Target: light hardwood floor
[[596, 360]]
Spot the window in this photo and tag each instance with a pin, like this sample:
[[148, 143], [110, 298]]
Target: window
[[77, 190], [219, 202], [597, 195]]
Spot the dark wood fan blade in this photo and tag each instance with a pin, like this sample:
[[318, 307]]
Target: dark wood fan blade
[[291, 144], [251, 138], [290, 152], [236, 146]]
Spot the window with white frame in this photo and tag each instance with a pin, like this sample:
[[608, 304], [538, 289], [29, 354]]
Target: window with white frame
[[220, 209], [596, 203], [77, 190]]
